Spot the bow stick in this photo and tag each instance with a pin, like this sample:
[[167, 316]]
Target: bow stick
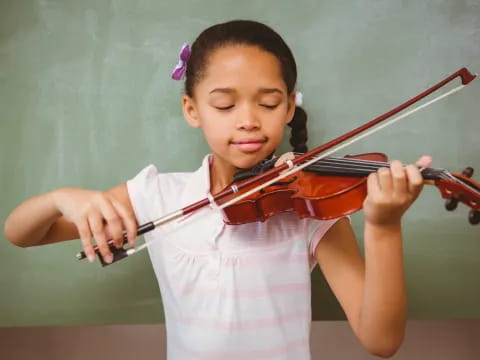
[[277, 173]]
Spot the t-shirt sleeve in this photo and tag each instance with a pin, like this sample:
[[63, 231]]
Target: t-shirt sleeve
[[140, 190], [316, 230]]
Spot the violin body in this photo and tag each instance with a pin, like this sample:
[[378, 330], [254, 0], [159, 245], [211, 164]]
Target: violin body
[[308, 193]]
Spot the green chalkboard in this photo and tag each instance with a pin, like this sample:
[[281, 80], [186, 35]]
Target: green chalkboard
[[86, 101]]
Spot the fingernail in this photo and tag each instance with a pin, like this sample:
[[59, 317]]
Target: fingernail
[[109, 258], [91, 258]]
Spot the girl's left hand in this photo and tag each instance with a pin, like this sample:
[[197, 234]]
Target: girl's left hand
[[390, 192]]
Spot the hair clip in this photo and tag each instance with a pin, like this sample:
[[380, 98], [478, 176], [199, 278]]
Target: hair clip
[[298, 98], [181, 67]]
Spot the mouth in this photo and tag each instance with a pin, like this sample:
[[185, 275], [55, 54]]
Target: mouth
[[249, 145]]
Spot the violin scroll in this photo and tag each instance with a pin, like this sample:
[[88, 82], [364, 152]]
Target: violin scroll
[[452, 202], [456, 188]]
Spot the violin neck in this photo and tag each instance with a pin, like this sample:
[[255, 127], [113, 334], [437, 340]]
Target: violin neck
[[332, 166]]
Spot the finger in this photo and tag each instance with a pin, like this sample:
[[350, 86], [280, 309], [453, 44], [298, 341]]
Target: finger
[[373, 187], [113, 220], [399, 177], [424, 161], [385, 182], [415, 180], [86, 238], [129, 221], [95, 221]]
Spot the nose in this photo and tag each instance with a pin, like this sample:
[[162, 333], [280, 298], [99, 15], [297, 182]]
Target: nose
[[248, 119]]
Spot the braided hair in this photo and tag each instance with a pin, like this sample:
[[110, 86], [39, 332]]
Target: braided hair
[[247, 32]]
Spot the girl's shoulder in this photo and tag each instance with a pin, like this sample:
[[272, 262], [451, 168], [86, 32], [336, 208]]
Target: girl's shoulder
[[153, 192], [171, 183], [150, 178]]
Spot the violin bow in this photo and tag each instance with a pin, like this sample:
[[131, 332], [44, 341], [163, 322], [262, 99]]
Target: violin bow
[[292, 166]]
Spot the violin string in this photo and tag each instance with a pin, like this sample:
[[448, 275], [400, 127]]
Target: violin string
[[339, 167], [427, 173], [354, 169], [344, 166], [377, 164], [352, 164], [353, 160], [356, 166], [344, 158], [360, 162]]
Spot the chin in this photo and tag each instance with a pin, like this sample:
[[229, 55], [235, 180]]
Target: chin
[[248, 160]]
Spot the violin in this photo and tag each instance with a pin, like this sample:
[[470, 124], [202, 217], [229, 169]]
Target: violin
[[334, 187], [317, 185]]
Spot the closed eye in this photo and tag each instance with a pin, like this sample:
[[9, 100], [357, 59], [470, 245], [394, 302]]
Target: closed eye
[[269, 106], [223, 108]]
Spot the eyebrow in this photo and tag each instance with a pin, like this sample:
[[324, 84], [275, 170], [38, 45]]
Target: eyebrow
[[270, 91], [262, 90]]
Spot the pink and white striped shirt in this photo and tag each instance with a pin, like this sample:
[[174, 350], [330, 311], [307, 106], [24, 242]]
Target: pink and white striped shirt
[[229, 292]]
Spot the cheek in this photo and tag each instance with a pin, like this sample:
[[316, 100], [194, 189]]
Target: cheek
[[277, 133], [215, 128], [276, 123]]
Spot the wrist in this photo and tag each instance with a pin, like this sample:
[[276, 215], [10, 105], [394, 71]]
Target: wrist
[[377, 231], [55, 198]]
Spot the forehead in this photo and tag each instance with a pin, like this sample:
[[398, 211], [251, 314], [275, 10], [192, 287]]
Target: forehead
[[241, 67]]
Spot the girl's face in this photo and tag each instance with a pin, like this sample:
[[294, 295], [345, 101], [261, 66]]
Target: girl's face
[[241, 104]]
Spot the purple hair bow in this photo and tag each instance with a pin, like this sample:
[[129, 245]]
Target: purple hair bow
[[181, 67]]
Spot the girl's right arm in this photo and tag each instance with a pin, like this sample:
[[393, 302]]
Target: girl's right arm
[[72, 213]]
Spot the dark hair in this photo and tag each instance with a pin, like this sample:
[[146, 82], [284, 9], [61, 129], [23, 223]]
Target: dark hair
[[248, 32]]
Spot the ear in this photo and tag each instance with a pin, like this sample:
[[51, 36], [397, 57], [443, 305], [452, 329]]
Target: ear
[[190, 111], [291, 107]]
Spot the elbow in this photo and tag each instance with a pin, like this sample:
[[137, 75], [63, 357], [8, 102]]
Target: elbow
[[383, 346], [383, 351], [9, 234]]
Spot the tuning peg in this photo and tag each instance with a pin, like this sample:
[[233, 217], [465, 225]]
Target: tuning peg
[[451, 203], [474, 217], [468, 171]]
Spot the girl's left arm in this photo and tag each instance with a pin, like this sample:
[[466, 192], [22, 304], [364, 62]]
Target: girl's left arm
[[372, 291]]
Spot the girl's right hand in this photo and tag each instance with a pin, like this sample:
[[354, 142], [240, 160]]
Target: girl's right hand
[[97, 215]]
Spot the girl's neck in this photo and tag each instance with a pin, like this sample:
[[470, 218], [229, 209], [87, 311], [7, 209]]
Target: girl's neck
[[221, 174]]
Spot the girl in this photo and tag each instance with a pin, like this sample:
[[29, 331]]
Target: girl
[[242, 292]]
